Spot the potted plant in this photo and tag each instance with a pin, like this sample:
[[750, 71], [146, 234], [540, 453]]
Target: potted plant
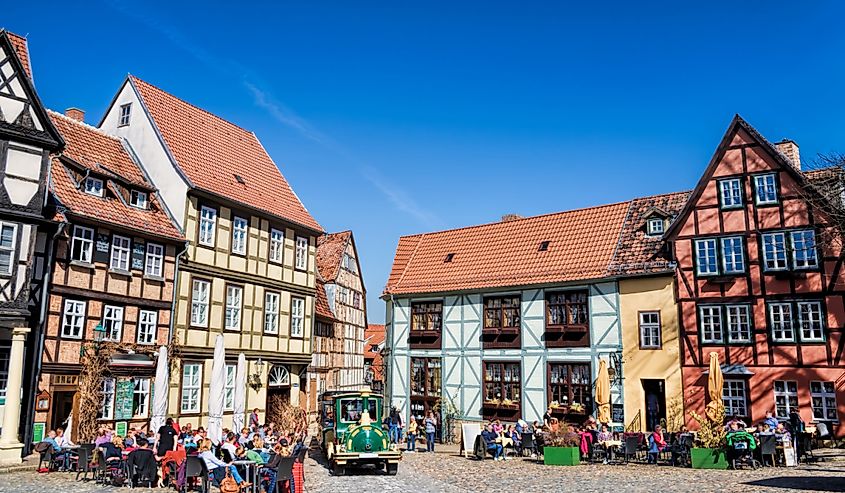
[[562, 448], [710, 454]]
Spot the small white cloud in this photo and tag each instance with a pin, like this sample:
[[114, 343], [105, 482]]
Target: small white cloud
[[398, 197]]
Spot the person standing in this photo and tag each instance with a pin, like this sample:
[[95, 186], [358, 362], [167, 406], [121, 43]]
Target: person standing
[[393, 425], [430, 430], [253, 419], [165, 438], [412, 435]]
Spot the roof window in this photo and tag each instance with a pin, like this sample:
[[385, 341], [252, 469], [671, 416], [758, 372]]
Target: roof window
[[449, 257], [544, 245]]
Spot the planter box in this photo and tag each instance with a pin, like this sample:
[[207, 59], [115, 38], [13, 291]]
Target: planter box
[[561, 456], [708, 458]]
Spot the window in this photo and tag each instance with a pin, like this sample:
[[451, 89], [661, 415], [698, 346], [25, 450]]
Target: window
[[774, 251], [502, 386], [94, 186], [297, 316], [804, 249], [271, 313], [730, 193], [191, 386], [710, 318], [427, 316], [147, 326], [239, 229], [655, 226], [277, 245], [120, 250], [73, 319], [208, 225], [650, 330], [155, 257], [112, 322], [425, 377], [823, 398], [780, 316], [138, 199], [567, 309], [706, 256], [82, 244], [229, 388], [125, 112], [199, 303], [765, 189], [349, 263], [739, 323], [107, 400], [141, 397], [234, 295], [324, 329], [356, 300], [810, 320], [8, 232], [733, 258], [570, 387], [502, 312], [786, 397], [301, 253], [733, 397]]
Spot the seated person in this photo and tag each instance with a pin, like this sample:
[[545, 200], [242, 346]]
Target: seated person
[[144, 462], [489, 437], [656, 444], [783, 434], [217, 467], [515, 437], [113, 450], [604, 435]]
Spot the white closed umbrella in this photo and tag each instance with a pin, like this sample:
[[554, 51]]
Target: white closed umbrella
[[160, 391], [240, 395], [215, 391]]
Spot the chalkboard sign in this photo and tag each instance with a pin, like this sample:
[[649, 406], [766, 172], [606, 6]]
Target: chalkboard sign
[[101, 252], [123, 399], [138, 255], [120, 428], [618, 413]]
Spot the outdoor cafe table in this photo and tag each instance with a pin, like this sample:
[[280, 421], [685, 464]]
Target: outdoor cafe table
[[610, 446], [252, 472]]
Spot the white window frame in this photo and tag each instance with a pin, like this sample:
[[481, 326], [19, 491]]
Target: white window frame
[[7, 269], [125, 115], [121, 253], [735, 397], [810, 261], [814, 324], [778, 254], [191, 388], [154, 260], [737, 317], [655, 226], [768, 187], [782, 321], [141, 391], [94, 186], [86, 244], [200, 292], [240, 230], [271, 312], [785, 394], [729, 253], [207, 225], [112, 322], [730, 193], [107, 395], [824, 395], [297, 316], [712, 329], [234, 305], [76, 328], [138, 199], [707, 243], [301, 257], [231, 374], [147, 327], [277, 245], [651, 336]]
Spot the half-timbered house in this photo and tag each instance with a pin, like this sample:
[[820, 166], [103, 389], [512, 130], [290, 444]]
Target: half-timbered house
[[27, 138], [758, 285], [249, 270]]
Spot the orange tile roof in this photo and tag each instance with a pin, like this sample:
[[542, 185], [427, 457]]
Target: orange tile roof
[[104, 155], [210, 151], [330, 249], [20, 45], [321, 307], [374, 335], [506, 254]]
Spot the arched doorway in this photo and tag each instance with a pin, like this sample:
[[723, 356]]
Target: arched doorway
[[278, 393]]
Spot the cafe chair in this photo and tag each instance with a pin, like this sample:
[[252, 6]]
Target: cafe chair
[[528, 444], [196, 470], [768, 447], [284, 473], [83, 463], [632, 448]]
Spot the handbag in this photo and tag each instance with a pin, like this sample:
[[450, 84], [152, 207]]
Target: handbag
[[228, 484]]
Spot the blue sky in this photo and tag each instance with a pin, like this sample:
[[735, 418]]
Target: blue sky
[[393, 118]]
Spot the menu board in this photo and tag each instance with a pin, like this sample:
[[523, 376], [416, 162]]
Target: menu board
[[138, 255], [38, 432], [120, 428], [618, 413], [123, 399]]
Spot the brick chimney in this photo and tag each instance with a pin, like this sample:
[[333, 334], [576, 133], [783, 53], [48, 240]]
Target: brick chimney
[[75, 113], [510, 217], [790, 149]]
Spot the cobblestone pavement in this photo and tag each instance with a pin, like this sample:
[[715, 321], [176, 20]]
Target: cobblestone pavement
[[447, 472]]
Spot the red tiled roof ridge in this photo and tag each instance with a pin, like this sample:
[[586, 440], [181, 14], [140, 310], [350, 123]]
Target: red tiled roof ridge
[[21, 46], [83, 124]]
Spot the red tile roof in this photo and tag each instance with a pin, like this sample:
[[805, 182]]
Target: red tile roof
[[507, 254], [330, 249], [374, 335], [210, 151], [321, 307], [104, 155], [20, 45]]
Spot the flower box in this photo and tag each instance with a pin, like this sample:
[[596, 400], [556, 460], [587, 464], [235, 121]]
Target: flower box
[[561, 456], [708, 458]]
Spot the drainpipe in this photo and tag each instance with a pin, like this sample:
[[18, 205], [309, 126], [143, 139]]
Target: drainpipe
[[171, 328]]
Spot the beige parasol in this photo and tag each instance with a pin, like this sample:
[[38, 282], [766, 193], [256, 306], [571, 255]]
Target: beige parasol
[[603, 393], [715, 381]]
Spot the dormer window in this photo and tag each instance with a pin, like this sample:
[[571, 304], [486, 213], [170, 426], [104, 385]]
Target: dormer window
[[544, 245], [138, 199], [449, 257], [125, 113], [94, 186], [654, 227]]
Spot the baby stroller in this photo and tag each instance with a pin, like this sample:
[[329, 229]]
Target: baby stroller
[[741, 446]]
